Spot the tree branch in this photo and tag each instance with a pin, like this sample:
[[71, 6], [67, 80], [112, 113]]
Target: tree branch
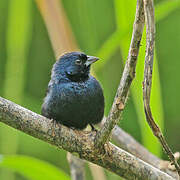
[[76, 166], [97, 172], [150, 37], [79, 142], [129, 144], [126, 80]]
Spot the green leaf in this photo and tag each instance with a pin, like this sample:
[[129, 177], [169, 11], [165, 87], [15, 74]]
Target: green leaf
[[112, 43], [125, 13], [108, 48], [18, 37], [164, 8], [32, 168]]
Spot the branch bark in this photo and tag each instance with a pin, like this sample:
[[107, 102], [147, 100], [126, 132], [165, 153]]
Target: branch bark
[[129, 144], [76, 167], [125, 141], [78, 142], [148, 70], [97, 172], [126, 80]]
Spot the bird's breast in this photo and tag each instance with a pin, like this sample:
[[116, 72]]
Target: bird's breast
[[78, 95], [76, 103]]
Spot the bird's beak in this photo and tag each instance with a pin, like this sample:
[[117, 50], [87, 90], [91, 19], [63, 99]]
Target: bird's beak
[[90, 60]]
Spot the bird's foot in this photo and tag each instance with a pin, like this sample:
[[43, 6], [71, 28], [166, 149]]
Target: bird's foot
[[93, 128], [73, 128]]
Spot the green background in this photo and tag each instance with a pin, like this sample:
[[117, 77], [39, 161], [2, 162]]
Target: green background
[[102, 28]]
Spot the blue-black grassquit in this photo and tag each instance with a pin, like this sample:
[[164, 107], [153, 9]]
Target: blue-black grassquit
[[74, 97]]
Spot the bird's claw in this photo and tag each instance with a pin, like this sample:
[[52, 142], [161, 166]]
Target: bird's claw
[[93, 128]]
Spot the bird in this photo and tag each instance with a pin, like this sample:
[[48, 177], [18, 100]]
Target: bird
[[74, 97]]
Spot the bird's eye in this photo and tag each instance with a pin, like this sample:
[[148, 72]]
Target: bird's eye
[[78, 62]]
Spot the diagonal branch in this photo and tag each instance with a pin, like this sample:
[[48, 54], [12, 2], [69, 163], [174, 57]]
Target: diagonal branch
[[97, 172], [125, 141], [129, 144], [80, 142], [150, 37], [76, 166], [126, 80]]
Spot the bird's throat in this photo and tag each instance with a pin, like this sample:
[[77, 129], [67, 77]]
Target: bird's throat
[[78, 77]]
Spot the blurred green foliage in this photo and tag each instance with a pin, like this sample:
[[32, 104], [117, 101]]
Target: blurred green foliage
[[32, 168], [101, 28]]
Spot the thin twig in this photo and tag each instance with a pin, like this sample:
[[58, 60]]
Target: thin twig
[[150, 37], [126, 80], [80, 142], [76, 167]]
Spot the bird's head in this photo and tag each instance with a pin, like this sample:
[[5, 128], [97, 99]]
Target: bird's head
[[76, 65]]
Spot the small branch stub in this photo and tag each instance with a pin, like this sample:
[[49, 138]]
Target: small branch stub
[[119, 104]]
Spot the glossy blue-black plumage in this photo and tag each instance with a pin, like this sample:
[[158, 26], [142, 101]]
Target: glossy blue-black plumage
[[74, 97]]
